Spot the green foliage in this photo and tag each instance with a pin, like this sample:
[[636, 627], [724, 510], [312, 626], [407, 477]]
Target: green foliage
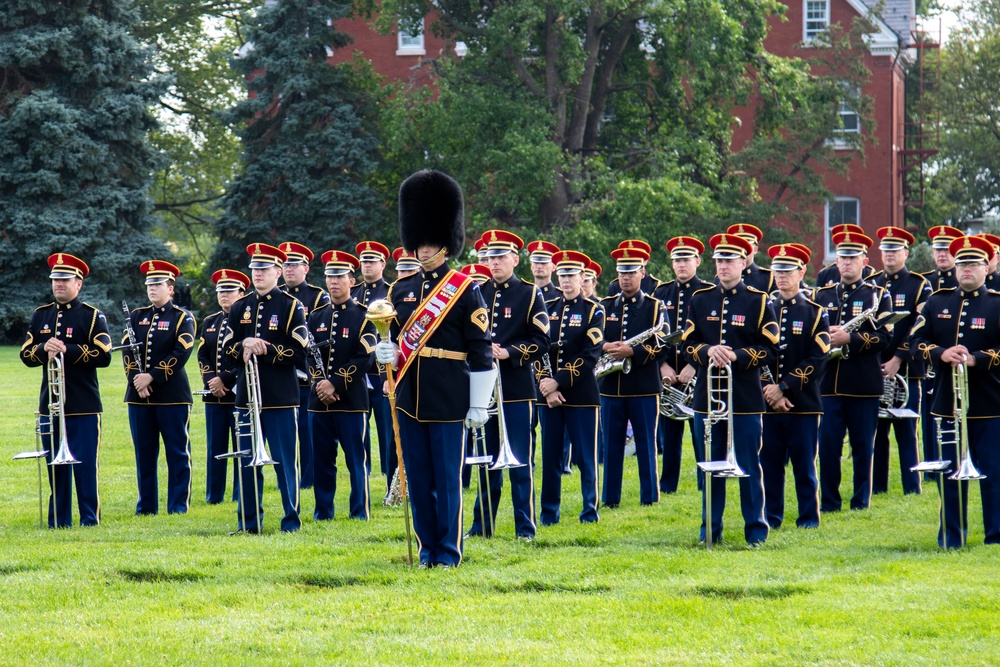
[[965, 180], [866, 587], [74, 165], [308, 147]]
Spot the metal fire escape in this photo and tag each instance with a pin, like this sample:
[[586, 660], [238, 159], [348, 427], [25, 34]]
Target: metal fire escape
[[921, 128]]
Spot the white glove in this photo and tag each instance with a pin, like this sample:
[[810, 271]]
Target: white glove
[[476, 417], [386, 353]]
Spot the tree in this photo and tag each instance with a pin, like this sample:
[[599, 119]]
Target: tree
[[306, 130], [965, 180], [75, 93]]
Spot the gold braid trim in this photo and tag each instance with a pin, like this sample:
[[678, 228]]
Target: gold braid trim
[[281, 352], [130, 365], [526, 351], [994, 358], [925, 350], [346, 374], [756, 356], [167, 366], [87, 353], [573, 369], [867, 339], [651, 351], [802, 374], [539, 373]]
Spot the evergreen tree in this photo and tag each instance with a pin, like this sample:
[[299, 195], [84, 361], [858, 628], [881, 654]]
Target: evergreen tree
[[74, 168], [307, 144]]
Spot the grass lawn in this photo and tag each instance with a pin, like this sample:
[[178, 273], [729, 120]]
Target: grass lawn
[[636, 589]]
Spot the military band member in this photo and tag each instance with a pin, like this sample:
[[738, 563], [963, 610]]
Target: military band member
[[373, 256], [649, 283], [269, 324], [792, 391], [540, 254], [685, 257], [570, 392], [992, 276], [942, 276], [590, 276], [443, 351], [732, 323], [79, 332], [519, 328], [830, 275], [338, 405], [158, 394], [294, 270], [961, 326], [480, 248], [852, 385], [908, 292], [478, 272], [221, 399], [632, 397], [406, 263], [753, 275]]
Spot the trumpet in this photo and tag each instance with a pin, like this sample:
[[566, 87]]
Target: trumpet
[[720, 408], [675, 403], [853, 325]]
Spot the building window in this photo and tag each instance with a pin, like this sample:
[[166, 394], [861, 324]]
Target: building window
[[841, 210], [411, 40], [817, 18]]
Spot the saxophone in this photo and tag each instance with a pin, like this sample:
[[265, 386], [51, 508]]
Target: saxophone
[[608, 364], [853, 325]]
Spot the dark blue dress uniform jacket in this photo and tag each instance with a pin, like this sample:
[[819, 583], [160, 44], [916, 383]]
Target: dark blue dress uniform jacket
[[576, 334], [166, 341], [311, 298], [803, 345], [952, 317], [364, 294], [743, 319], [830, 275], [625, 318], [939, 279], [210, 353], [676, 299], [346, 359], [436, 389], [279, 319], [860, 374], [84, 331], [908, 292], [519, 323]]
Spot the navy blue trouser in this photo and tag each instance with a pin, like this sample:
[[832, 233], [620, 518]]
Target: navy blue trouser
[[305, 439], [379, 409], [790, 437], [433, 454], [278, 431], [856, 417], [906, 441], [928, 432], [83, 437], [746, 447], [220, 430], [517, 418], [986, 458], [616, 413], [149, 423], [349, 429], [581, 425], [670, 436]]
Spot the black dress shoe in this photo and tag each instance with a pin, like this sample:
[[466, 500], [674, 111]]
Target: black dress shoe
[[471, 534]]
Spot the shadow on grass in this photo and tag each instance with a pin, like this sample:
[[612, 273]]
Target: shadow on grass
[[536, 586], [7, 570], [772, 592], [341, 580], [589, 541], [156, 575]]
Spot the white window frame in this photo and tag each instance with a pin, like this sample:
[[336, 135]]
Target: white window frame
[[810, 35], [829, 250], [410, 45]]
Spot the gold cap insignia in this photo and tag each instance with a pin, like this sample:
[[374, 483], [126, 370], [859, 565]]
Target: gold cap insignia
[[968, 243], [224, 276], [784, 252]]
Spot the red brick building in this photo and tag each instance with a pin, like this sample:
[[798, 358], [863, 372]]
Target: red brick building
[[871, 194]]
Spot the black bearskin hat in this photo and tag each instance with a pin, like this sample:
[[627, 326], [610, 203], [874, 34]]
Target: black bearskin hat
[[431, 212]]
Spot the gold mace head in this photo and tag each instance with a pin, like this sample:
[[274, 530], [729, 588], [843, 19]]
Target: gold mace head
[[381, 314]]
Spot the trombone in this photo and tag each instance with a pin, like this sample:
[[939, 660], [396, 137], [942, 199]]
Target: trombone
[[505, 457], [56, 375], [258, 450], [720, 408]]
